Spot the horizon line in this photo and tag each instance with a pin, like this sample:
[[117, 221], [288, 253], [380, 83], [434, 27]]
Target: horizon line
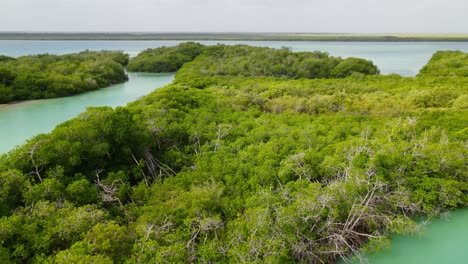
[[228, 32]]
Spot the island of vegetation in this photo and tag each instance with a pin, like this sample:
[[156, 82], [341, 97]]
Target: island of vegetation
[[243, 160], [165, 59], [50, 76], [246, 61]]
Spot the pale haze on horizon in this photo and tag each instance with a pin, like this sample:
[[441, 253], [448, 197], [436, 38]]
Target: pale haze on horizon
[[339, 16]]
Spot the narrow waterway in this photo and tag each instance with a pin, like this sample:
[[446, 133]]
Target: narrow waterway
[[21, 121]]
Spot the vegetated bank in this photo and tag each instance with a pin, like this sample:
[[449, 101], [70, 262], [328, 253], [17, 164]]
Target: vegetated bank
[[227, 165], [50, 76]]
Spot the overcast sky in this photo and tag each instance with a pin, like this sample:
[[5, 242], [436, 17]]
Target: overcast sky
[[344, 16]]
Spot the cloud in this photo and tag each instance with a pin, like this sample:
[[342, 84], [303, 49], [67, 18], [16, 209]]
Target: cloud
[[360, 16]]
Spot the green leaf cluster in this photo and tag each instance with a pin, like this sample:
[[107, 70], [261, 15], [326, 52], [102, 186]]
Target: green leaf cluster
[[246, 61], [165, 59], [447, 63], [50, 76]]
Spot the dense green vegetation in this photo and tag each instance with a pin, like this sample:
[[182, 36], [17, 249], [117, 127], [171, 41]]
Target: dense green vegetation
[[165, 59], [447, 63], [243, 60], [51, 76], [247, 169]]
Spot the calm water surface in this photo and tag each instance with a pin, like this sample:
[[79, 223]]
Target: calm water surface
[[21, 121], [442, 242]]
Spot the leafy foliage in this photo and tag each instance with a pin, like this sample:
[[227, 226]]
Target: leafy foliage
[[50, 76], [165, 59], [243, 60], [249, 169], [447, 63]]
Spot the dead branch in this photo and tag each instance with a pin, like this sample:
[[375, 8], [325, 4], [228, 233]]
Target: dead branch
[[33, 161]]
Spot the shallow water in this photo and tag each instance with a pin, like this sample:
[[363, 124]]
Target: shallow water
[[442, 241], [21, 121]]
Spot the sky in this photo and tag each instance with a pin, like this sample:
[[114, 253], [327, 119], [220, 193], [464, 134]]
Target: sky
[[314, 16]]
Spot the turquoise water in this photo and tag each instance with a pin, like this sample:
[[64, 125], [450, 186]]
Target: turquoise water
[[21, 121], [442, 241], [405, 58]]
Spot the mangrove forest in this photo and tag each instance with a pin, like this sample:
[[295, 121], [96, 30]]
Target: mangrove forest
[[251, 155], [49, 76]]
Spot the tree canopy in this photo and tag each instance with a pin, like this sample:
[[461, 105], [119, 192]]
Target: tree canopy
[[50, 76], [165, 59], [243, 60], [447, 63], [249, 169]]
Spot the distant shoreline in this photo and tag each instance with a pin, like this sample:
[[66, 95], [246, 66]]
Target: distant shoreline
[[239, 37]]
